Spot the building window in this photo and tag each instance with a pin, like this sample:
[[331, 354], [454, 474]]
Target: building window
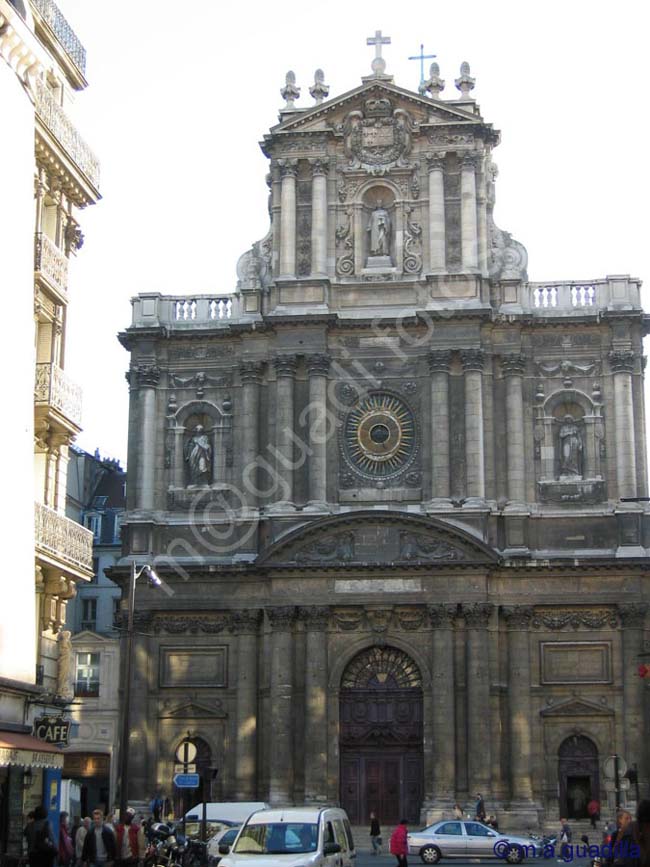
[[94, 524], [117, 534], [87, 675], [95, 570], [88, 613]]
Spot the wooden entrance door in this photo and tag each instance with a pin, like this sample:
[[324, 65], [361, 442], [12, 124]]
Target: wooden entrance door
[[578, 772], [390, 785]]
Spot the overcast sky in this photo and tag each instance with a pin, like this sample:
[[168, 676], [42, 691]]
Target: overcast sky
[[180, 94]]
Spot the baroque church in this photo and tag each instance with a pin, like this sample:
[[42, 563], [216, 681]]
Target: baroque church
[[393, 488]]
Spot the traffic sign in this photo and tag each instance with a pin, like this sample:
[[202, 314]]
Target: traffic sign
[[609, 764], [180, 768], [186, 781], [186, 752]]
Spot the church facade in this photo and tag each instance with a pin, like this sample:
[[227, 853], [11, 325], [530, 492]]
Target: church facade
[[392, 487]]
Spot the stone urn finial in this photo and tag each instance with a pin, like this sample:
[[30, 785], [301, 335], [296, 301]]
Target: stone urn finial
[[290, 92], [319, 90], [433, 85], [465, 83]]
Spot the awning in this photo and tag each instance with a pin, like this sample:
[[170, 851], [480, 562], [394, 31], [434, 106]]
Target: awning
[[29, 752]]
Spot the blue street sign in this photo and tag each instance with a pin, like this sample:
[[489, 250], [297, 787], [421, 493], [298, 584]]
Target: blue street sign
[[186, 781]]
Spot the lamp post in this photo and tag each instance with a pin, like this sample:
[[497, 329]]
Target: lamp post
[[154, 581]]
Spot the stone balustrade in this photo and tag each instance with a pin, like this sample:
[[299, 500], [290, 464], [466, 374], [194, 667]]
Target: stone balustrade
[[53, 388], [67, 38], [51, 262], [619, 292], [66, 133], [187, 311], [62, 539]]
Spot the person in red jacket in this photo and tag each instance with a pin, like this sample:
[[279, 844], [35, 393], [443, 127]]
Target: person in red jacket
[[399, 844], [130, 841]]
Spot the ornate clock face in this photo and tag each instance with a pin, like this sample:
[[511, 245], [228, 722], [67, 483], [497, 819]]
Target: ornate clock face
[[379, 435]]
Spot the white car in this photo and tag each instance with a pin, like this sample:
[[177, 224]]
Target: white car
[[464, 839], [292, 837], [224, 837]]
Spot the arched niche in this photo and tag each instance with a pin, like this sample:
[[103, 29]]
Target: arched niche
[[376, 203], [569, 415], [216, 424]]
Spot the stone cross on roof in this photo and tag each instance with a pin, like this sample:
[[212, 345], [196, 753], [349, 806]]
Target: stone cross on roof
[[378, 63]]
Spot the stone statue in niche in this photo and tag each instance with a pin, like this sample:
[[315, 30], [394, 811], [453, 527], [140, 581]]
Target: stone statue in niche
[[379, 229], [198, 455], [571, 448], [64, 686]]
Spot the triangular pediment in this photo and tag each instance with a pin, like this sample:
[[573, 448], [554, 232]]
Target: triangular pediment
[[576, 707], [193, 710], [377, 539], [88, 636]]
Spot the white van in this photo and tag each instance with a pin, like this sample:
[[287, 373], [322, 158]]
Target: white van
[[292, 837], [220, 815]]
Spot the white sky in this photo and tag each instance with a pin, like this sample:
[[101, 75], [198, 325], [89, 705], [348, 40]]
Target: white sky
[[181, 93]]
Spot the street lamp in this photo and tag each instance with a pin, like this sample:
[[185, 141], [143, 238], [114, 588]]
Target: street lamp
[[153, 581]]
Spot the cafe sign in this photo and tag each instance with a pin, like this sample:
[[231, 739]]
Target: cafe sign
[[52, 730]]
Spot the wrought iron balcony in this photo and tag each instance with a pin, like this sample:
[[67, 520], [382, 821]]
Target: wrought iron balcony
[[58, 24], [51, 262], [65, 132], [62, 540], [54, 389]]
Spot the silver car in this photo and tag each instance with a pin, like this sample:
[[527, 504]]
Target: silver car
[[464, 839]]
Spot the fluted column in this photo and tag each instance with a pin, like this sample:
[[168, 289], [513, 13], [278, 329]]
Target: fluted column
[[288, 172], [468, 216], [513, 367], [437, 241], [281, 782], [285, 368], [245, 625], [441, 618], [518, 619], [622, 366], [251, 376], [318, 367], [319, 167], [315, 619], [479, 736], [146, 377], [439, 361], [474, 445], [632, 621]]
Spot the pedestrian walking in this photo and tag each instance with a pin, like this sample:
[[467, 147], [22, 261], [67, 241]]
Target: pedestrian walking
[[130, 840], [41, 848], [99, 848], [375, 834], [80, 836], [565, 836], [399, 844], [480, 808], [156, 806], [593, 809], [66, 849]]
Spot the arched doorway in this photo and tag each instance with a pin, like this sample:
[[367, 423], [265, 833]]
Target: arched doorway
[[578, 772], [185, 799], [381, 736]]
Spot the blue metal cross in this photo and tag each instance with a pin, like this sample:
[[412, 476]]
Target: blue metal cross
[[422, 57]]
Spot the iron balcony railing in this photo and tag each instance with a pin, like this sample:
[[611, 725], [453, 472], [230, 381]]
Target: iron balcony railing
[[58, 24], [53, 388], [63, 539], [51, 262]]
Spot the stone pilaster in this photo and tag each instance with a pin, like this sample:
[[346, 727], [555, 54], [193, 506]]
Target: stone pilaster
[[317, 368], [281, 688], [437, 227], [319, 168], [439, 361], [315, 619], [145, 378], [472, 360], [622, 366], [479, 736], [513, 367], [288, 173], [251, 377], [468, 216], [245, 625], [633, 616], [285, 369], [441, 618], [518, 619]]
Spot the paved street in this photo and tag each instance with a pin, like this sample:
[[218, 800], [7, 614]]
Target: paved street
[[365, 859]]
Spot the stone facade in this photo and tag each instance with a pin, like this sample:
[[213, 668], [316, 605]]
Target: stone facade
[[390, 484]]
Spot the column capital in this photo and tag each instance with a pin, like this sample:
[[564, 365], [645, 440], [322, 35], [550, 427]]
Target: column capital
[[143, 375], [633, 613], [439, 360], [285, 365], [621, 362], [513, 365], [281, 617], [472, 359], [436, 161], [518, 617], [251, 372], [319, 166], [315, 617], [441, 616], [478, 614], [469, 161], [246, 621], [288, 168], [318, 364]]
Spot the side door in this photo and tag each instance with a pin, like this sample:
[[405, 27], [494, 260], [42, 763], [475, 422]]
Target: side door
[[329, 836], [450, 838], [343, 841], [479, 840]]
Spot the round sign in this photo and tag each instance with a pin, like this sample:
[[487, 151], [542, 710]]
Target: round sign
[[186, 752], [609, 765]]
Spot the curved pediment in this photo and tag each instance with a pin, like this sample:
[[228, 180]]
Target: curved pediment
[[378, 539]]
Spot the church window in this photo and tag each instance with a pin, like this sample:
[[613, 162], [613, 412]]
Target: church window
[[382, 668], [87, 675]]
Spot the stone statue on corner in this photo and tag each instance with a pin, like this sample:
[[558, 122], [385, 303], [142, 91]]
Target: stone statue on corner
[[571, 448], [64, 686], [379, 229], [198, 454]]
